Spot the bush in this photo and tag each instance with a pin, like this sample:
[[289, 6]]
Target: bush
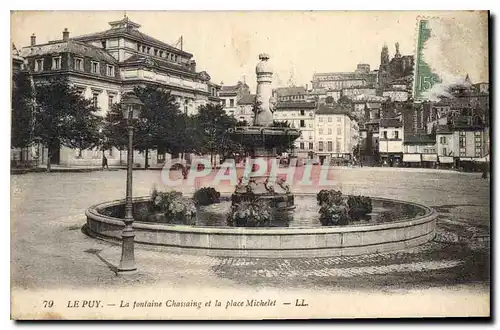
[[173, 205], [359, 206], [254, 213], [206, 196], [333, 215], [329, 197]]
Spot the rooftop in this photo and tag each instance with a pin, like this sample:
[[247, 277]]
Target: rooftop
[[295, 105], [246, 99], [125, 27], [391, 122], [419, 139], [70, 46], [334, 109], [157, 62], [289, 91]]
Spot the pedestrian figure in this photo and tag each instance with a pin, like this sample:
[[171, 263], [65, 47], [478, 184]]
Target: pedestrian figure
[[485, 172], [104, 162]]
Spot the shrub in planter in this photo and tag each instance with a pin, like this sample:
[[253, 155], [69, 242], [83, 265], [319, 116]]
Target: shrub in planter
[[206, 196], [254, 213], [173, 206], [329, 197], [333, 215], [359, 206]]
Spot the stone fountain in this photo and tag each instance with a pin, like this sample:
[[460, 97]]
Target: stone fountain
[[262, 141]]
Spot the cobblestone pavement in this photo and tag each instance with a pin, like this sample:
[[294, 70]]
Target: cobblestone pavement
[[49, 250]]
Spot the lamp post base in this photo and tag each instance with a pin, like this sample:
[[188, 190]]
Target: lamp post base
[[126, 272]]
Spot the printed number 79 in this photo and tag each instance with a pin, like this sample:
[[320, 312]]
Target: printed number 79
[[48, 303]]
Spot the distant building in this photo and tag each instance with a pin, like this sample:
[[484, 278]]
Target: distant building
[[419, 150], [336, 133], [230, 96], [399, 68], [390, 141], [361, 77], [244, 110], [291, 94], [300, 115]]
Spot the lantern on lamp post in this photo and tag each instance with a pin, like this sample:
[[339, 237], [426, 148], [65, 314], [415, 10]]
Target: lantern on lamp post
[[131, 108]]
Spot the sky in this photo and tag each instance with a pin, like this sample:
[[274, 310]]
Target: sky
[[300, 43]]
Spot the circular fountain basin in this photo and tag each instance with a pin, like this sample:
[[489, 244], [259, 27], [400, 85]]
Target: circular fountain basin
[[393, 225]]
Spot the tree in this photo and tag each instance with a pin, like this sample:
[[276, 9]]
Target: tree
[[344, 100], [212, 123], [64, 117], [23, 102], [329, 100], [161, 124]]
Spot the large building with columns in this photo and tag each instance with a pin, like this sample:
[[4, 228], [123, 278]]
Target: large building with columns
[[104, 65]]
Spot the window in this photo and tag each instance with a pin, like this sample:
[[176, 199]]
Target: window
[[329, 119], [339, 130], [78, 64], [310, 137], [56, 63], [186, 106], [477, 133], [94, 99], [330, 131], [384, 134], [301, 145], [302, 123], [330, 145], [143, 49], [156, 52], [462, 141], [311, 145], [337, 145], [231, 103], [310, 125], [95, 67], [442, 139], [445, 152], [175, 58], [171, 57], [110, 152], [320, 146], [148, 50], [395, 134], [110, 71], [161, 53], [302, 112], [160, 157], [462, 133], [103, 43], [320, 131], [38, 65], [320, 119], [111, 98], [138, 47]]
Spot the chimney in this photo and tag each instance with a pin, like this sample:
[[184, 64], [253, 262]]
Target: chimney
[[33, 40], [65, 34]]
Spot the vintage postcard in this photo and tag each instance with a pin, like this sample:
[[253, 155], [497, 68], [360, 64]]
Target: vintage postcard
[[249, 165]]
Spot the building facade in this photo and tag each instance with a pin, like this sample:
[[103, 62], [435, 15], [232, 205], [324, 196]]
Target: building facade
[[104, 65], [336, 133], [390, 141], [300, 115]]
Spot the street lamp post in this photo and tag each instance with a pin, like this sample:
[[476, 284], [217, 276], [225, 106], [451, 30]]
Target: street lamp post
[[131, 108]]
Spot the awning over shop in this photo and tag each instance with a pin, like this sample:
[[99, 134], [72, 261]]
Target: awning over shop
[[485, 159], [429, 157], [466, 159], [445, 159], [411, 158]]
